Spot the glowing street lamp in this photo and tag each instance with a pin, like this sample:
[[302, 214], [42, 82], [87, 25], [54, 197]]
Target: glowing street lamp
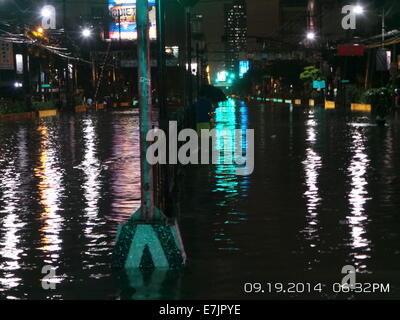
[[86, 33], [358, 9], [311, 35], [46, 12], [38, 32]]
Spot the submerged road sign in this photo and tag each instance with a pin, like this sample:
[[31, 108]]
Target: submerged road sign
[[148, 246]]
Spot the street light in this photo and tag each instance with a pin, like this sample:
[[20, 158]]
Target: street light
[[46, 12], [358, 9], [311, 35], [86, 33]]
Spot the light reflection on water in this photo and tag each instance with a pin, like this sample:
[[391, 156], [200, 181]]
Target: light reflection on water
[[125, 167], [10, 250], [312, 165], [91, 169], [235, 227], [92, 172], [64, 213], [227, 183], [50, 187], [358, 198]]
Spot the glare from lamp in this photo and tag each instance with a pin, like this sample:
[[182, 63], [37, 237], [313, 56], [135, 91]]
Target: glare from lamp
[[358, 9], [46, 13], [86, 33], [311, 35]]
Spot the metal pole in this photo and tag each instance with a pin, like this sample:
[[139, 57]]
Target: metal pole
[[94, 80], [161, 58], [148, 229], [143, 53], [163, 115], [67, 63], [383, 27], [199, 68], [383, 44], [64, 14], [119, 27], [40, 81], [367, 75], [26, 76], [189, 56]]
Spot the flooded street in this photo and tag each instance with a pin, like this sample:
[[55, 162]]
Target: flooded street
[[324, 194]]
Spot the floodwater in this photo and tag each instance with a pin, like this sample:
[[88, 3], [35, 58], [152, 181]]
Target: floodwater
[[324, 194]]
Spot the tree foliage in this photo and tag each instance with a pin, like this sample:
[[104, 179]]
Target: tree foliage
[[311, 73]]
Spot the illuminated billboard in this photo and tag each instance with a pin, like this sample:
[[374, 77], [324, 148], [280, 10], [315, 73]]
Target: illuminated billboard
[[244, 66], [123, 13]]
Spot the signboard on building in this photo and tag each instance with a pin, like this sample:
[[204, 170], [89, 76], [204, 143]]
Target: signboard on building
[[319, 84], [244, 66], [351, 50], [132, 63], [6, 56], [383, 59], [123, 13], [222, 76], [19, 60]]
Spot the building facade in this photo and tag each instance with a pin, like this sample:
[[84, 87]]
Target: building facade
[[235, 34]]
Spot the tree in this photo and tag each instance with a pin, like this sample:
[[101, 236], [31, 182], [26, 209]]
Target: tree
[[309, 75]]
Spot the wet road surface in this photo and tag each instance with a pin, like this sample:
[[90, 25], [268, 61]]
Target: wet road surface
[[324, 194]]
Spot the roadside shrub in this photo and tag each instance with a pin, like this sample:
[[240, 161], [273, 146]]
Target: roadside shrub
[[8, 107], [355, 94], [40, 105], [381, 99]]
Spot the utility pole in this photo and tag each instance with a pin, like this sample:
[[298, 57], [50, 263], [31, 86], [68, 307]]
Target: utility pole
[[26, 76], [67, 63], [161, 94], [148, 235], [161, 58], [383, 27], [189, 56], [198, 75], [119, 26], [144, 77], [64, 13], [188, 85], [383, 44]]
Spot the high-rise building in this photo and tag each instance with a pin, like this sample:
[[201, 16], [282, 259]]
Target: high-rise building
[[235, 33], [212, 12], [296, 20], [263, 23]]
